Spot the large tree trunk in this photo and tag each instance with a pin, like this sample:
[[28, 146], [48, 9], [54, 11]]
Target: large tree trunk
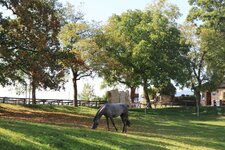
[[75, 102], [198, 99], [33, 84], [132, 94], [197, 93], [145, 88]]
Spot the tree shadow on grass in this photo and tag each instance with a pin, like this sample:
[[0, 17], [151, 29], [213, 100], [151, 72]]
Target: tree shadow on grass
[[70, 119], [58, 137], [5, 144], [183, 111], [191, 130]]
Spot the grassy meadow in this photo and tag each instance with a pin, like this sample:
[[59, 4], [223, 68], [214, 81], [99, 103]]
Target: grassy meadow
[[67, 128]]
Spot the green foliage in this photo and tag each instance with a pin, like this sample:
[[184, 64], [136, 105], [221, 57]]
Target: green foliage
[[209, 12], [87, 93], [76, 43], [144, 47], [71, 14], [213, 43], [29, 44], [207, 55], [212, 34], [196, 56]]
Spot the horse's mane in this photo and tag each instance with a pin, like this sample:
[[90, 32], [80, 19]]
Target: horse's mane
[[99, 111]]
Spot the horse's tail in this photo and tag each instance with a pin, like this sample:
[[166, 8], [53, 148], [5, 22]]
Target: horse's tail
[[128, 123]]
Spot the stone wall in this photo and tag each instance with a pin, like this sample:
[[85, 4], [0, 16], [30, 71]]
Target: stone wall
[[115, 96]]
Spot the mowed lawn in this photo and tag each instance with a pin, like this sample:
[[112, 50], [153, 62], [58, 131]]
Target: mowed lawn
[[67, 128]]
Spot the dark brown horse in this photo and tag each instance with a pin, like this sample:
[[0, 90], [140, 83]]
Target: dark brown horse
[[110, 110]]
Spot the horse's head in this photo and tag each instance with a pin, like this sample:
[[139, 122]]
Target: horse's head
[[97, 117], [95, 123]]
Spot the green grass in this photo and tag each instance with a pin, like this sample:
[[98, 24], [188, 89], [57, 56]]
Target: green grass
[[160, 129]]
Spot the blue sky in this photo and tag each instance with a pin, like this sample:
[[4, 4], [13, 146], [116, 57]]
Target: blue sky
[[99, 10]]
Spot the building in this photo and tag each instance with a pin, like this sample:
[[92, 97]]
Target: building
[[216, 97]]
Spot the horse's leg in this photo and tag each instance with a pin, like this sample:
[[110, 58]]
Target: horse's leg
[[113, 123], [107, 119], [124, 120], [124, 125]]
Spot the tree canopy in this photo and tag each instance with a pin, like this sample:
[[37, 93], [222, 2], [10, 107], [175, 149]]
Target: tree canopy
[[209, 18], [87, 92], [76, 46], [146, 46], [29, 44]]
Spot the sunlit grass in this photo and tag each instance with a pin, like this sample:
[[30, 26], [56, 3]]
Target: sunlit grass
[[160, 129]]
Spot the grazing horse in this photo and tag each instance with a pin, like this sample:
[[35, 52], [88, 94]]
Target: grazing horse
[[110, 110]]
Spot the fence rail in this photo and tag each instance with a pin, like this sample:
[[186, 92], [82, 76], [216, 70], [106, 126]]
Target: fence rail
[[14, 100]]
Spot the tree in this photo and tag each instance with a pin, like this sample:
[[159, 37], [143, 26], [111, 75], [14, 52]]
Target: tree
[[29, 44], [113, 71], [197, 55], [70, 14], [75, 38], [213, 43], [148, 46], [87, 92], [209, 12], [208, 53], [108, 67], [212, 32]]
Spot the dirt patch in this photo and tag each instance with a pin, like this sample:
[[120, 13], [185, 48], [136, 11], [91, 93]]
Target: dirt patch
[[46, 117]]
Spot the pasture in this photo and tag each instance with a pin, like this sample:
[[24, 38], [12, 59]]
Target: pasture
[[67, 128]]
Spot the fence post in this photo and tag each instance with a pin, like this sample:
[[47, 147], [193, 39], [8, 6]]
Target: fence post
[[3, 100]]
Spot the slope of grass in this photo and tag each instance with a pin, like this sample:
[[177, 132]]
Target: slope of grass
[[167, 128]]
